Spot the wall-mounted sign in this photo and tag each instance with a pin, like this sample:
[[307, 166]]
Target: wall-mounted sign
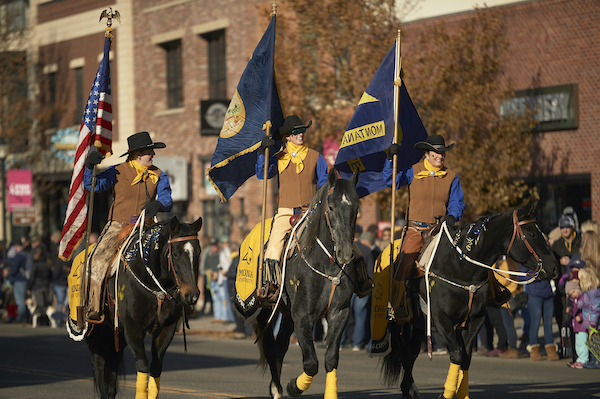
[[177, 170], [64, 143], [212, 116], [556, 107], [19, 186], [23, 216]]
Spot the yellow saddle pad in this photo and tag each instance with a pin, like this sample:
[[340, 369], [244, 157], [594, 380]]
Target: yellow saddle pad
[[74, 282]]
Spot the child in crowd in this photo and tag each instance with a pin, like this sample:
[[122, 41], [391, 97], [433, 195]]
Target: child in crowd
[[586, 312], [573, 291]]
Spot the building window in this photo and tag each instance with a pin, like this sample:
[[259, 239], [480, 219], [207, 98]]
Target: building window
[[52, 97], [13, 16], [79, 100], [217, 71], [174, 74]]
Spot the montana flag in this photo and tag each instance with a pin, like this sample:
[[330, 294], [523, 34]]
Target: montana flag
[[95, 130], [371, 130], [255, 102]]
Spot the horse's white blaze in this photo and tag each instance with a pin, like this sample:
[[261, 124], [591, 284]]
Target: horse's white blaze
[[189, 249], [345, 200]]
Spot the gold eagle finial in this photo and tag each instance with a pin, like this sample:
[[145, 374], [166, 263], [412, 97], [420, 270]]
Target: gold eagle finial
[[109, 15]]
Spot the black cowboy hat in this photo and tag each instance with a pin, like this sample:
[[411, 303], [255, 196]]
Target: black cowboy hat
[[141, 141], [433, 143], [289, 123]]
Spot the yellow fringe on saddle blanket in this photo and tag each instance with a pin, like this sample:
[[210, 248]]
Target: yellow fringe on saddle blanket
[[74, 282], [245, 279], [380, 334]]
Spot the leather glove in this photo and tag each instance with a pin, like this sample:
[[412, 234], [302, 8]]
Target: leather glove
[[393, 150], [94, 158], [449, 219], [152, 208], [265, 143]]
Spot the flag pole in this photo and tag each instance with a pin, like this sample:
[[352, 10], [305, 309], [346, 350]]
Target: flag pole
[[263, 215], [397, 83]]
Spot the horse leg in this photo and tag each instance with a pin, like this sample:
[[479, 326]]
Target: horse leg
[[105, 360], [336, 321], [136, 344], [276, 353], [411, 343], [304, 333], [448, 334], [160, 343], [468, 336]]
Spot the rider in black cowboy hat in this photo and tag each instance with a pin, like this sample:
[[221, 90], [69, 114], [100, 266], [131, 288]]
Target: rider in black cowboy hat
[[137, 185], [435, 192]]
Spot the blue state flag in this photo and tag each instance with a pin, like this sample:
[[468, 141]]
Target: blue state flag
[[371, 130], [255, 102]]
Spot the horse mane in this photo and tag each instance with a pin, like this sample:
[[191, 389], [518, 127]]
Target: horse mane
[[316, 212]]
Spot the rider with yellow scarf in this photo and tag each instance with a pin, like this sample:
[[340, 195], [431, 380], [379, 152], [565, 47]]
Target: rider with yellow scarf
[[137, 184], [434, 193]]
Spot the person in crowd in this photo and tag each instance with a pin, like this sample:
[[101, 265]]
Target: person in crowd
[[384, 241], [360, 306], [209, 272], [573, 291], [17, 278], [586, 316], [137, 185], [301, 171], [39, 286], [220, 287], [508, 309], [435, 193], [540, 303]]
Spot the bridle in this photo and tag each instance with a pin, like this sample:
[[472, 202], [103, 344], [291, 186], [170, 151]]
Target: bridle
[[170, 258], [518, 232]]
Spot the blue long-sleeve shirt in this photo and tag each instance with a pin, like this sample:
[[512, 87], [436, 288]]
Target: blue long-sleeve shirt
[[456, 201], [320, 171], [107, 179], [19, 265]]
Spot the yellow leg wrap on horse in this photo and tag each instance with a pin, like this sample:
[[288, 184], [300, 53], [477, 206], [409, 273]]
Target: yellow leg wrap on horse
[[153, 387], [331, 385], [303, 382], [141, 386], [463, 385], [451, 381]]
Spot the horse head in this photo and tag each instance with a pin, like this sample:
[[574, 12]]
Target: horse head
[[341, 209], [528, 245], [182, 257]]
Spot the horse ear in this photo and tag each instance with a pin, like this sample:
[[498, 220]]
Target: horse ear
[[333, 177], [529, 209], [174, 224], [355, 178], [197, 225]]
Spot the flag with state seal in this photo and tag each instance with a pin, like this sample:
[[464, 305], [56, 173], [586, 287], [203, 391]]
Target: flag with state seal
[[254, 105], [371, 129]]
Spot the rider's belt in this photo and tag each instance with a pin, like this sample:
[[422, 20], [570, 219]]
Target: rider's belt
[[301, 209], [419, 225]]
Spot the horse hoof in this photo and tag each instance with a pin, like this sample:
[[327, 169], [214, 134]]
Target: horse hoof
[[292, 389], [276, 392]]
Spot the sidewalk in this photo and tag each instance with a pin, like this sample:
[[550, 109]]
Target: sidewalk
[[204, 325]]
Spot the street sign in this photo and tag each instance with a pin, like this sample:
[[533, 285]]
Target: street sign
[[23, 216]]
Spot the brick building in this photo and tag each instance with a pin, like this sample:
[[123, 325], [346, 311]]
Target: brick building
[[172, 60]]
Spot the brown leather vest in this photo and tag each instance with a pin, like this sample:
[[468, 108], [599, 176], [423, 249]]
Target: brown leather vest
[[429, 196], [128, 199], [296, 189]]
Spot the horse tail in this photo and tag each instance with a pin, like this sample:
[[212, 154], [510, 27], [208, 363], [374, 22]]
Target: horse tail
[[391, 365]]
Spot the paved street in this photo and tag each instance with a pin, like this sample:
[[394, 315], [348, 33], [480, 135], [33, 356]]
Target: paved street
[[44, 363]]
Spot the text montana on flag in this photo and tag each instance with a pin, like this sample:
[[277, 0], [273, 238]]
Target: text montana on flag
[[363, 133]]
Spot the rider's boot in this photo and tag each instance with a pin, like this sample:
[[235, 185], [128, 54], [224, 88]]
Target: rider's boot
[[94, 312], [363, 284], [401, 299], [270, 284]]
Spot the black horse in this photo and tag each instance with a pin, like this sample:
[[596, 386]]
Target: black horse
[[318, 280], [155, 283], [460, 290]]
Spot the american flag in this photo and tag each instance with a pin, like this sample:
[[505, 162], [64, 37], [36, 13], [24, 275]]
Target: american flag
[[95, 130]]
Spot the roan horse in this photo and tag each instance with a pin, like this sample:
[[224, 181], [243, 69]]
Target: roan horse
[[459, 291], [156, 281], [318, 281]]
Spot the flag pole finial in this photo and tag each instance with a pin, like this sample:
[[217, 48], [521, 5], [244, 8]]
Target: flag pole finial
[[274, 12], [109, 15]]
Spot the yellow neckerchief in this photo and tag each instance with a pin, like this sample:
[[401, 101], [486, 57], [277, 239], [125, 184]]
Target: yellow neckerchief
[[141, 173], [569, 244], [431, 171], [294, 153]]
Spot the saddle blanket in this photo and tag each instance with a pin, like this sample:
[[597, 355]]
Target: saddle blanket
[[74, 282], [245, 279]]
